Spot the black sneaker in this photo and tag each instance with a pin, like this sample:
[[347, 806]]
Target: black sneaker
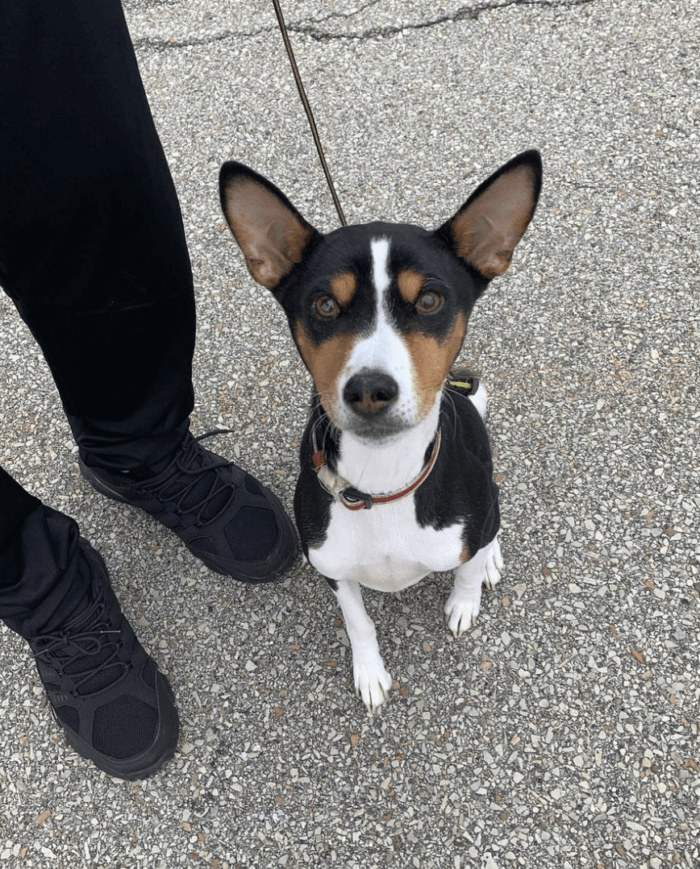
[[114, 705], [226, 518]]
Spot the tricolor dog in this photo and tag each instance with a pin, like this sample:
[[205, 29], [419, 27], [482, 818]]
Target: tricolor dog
[[396, 472]]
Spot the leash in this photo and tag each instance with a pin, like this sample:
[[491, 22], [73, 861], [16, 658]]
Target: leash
[[307, 109]]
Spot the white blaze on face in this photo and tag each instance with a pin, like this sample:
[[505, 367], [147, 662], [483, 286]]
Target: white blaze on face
[[384, 349], [380, 264]]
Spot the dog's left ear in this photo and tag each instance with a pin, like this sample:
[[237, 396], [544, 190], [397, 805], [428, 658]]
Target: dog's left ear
[[269, 230], [487, 228]]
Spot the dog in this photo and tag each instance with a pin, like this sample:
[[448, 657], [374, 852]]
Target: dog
[[396, 474]]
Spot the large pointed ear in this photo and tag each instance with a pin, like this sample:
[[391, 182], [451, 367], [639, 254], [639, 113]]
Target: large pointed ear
[[269, 230], [486, 229]]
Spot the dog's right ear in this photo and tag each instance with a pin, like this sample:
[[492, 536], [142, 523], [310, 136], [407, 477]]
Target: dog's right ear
[[269, 230]]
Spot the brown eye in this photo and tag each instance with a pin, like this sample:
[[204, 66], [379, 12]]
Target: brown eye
[[428, 302], [326, 307]]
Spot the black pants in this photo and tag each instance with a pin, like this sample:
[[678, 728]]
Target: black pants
[[92, 253]]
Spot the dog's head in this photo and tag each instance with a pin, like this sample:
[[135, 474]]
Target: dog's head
[[379, 311]]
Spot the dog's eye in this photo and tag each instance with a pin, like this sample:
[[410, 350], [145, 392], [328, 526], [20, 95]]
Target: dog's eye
[[428, 302], [326, 307]]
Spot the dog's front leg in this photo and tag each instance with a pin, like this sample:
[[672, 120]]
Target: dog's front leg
[[372, 682], [463, 605]]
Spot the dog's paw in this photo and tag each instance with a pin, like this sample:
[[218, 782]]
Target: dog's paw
[[463, 605], [494, 565], [461, 611], [372, 682]]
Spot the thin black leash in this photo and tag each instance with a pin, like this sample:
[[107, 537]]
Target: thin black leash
[[307, 109]]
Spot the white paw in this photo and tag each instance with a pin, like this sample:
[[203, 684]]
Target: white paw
[[463, 605], [461, 611], [372, 682], [493, 566]]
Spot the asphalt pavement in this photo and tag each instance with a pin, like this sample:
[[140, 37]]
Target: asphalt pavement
[[561, 732]]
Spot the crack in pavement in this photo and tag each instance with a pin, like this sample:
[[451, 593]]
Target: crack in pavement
[[464, 13], [312, 29]]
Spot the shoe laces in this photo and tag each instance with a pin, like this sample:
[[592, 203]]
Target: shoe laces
[[90, 635], [184, 484]]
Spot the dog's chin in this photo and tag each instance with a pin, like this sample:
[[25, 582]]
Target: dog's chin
[[378, 432]]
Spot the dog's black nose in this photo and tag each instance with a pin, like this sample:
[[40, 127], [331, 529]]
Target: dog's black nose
[[369, 392]]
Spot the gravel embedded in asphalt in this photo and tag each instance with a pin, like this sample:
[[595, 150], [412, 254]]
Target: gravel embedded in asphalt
[[563, 730]]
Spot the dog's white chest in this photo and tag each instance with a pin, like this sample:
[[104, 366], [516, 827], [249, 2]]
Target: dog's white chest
[[384, 548]]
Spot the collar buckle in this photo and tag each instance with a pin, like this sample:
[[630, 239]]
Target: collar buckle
[[353, 499]]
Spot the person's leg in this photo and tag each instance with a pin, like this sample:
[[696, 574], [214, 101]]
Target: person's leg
[[109, 298], [92, 249], [41, 581], [93, 254]]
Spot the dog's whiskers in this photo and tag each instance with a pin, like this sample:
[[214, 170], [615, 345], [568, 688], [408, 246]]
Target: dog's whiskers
[[450, 401], [323, 425]]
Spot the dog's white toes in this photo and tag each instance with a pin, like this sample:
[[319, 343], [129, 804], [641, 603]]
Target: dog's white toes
[[372, 683], [492, 576], [461, 613], [493, 566], [497, 556]]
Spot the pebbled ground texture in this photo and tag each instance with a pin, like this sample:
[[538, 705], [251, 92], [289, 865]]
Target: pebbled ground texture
[[561, 732]]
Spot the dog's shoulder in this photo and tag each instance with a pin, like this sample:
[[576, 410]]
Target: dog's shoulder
[[461, 487]]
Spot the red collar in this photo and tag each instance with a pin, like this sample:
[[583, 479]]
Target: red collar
[[353, 499]]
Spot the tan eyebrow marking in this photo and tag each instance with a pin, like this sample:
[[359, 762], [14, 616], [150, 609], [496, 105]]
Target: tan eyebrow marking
[[344, 287], [410, 283]]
